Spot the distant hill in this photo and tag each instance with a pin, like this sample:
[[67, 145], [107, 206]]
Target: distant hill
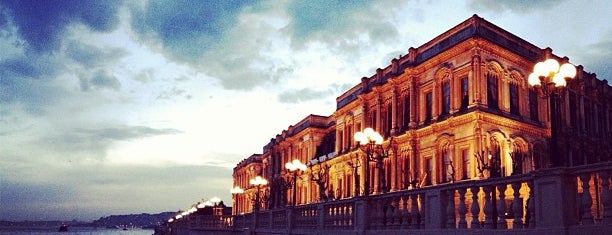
[[133, 220]]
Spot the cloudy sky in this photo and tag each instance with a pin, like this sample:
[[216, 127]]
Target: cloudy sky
[[118, 107]]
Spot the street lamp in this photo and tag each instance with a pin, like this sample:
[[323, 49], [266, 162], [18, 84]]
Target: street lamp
[[296, 167], [551, 78], [235, 192], [370, 142], [355, 163], [258, 181]]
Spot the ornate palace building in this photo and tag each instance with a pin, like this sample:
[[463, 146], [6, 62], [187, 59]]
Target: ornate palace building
[[444, 110]]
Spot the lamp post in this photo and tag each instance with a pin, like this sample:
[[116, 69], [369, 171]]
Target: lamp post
[[258, 182], [235, 192], [551, 79], [355, 163], [296, 167], [370, 142]]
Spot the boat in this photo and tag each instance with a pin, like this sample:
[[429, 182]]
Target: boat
[[63, 228]]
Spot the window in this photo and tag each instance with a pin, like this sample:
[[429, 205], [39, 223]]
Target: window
[[349, 132], [428, 170], [428, 107], [388, 121], [445, 98], [373, 118], [533, 105], [465, 158], [340, 141], [514, 99], [446, 166], [602, 120], [573, 110], [587, 116], [406, 111], [492, 92], [464, 94]]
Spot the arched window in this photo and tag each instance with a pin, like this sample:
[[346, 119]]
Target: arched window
[[428, 107], [446, 98], [492, 91], [514, 99], [493, 75], [520, 159], [495, 160], [406, 111], [464, 94], [513, 87], [447, 169], [533, 104], [388, 120]]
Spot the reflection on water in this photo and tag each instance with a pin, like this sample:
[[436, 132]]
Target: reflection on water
[[77, 231]]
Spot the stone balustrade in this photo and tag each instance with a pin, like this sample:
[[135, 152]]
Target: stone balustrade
[[573, 200]]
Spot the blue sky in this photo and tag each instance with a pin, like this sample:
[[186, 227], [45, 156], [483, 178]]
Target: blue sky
[[117, 107]]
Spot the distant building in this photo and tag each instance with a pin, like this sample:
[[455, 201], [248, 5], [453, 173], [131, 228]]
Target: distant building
[[465, 92]]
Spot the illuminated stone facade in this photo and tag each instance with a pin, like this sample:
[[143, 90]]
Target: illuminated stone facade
[[463, 93]]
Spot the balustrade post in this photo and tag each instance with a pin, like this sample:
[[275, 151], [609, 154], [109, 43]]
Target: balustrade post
[[530, 221], [405, 213], [290, 219], [462, 209], [554, 200], [475, 210], [586, 201], [501, 207], [488, 208], [320, 217], [360, 219], [517, 206], [606, 196], [450, 209], [416, 216]]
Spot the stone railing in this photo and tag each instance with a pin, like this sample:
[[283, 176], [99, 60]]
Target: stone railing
[[574, 200]]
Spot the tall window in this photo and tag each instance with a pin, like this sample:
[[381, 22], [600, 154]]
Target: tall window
[[349, 131], [340, 141], [428, 170], [587, 116], [445, 98], [492, 91], [514, 99], [602, 120], [465, 167], [464, 94], [446, 165], [573, 110], [389, 120], [533, 104], [373, 118], [428, 107], [406, 111]]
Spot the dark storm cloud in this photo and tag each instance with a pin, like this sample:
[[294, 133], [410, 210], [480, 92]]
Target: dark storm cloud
[[26, 81], [517, 6], [186, 29], [42, 23]]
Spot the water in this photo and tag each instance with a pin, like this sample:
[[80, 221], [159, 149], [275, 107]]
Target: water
[[77, 231]]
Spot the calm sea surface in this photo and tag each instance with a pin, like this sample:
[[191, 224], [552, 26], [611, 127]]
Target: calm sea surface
[[79, 231]]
